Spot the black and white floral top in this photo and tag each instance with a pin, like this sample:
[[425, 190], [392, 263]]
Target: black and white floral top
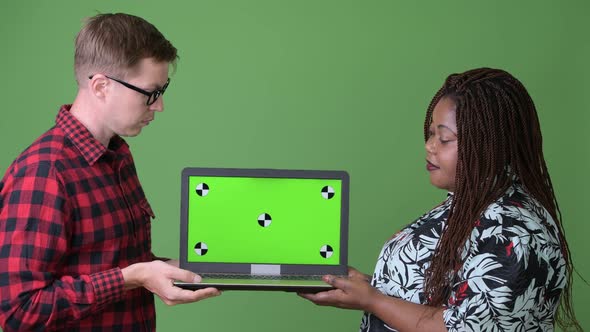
[[512, 276]]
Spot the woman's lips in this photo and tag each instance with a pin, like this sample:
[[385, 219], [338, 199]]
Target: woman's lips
[[430, 166]]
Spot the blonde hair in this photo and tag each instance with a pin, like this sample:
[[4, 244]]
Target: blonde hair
[[115, 43]]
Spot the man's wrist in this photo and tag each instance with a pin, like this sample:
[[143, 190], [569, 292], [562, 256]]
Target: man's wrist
[[132, 276]]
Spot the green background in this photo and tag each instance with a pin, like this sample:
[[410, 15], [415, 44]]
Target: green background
[[302, 220], [313, 84]]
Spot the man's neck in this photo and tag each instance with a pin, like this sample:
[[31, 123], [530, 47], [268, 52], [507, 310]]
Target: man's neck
[[90, 117]]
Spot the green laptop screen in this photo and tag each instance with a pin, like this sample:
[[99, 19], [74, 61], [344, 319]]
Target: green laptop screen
[[264, 220]]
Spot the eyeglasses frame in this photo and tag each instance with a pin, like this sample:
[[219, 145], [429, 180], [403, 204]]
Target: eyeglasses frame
[[151, 95]]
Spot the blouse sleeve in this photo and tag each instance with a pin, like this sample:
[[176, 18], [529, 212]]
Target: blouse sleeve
[[506, 280]]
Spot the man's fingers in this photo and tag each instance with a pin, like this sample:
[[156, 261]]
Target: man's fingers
[[188, 296], [184, 275], [173, 262], [200, 294], [205, 293]]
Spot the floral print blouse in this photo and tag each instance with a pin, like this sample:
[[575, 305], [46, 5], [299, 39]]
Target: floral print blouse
[[512, 276]]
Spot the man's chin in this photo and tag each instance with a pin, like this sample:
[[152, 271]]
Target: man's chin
[[131, 133]]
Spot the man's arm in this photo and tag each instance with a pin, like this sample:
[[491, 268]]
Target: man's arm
[[33, 242]]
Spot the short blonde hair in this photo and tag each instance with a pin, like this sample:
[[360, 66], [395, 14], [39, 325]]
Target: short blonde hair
[[115, 43]]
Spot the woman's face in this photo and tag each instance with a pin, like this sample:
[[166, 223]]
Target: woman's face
[[441, 146]]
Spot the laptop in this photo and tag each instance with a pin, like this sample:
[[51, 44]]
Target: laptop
[[263, 229]]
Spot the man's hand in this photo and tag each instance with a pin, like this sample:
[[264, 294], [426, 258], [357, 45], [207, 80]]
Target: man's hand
[[157, 277], [173, 262]]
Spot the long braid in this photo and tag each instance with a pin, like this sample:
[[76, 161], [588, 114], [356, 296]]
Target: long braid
[[499, 139]]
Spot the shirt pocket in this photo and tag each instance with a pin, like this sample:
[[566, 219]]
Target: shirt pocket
[[146, 209], [144, 226]]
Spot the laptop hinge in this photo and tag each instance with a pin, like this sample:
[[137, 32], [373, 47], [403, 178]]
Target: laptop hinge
[[262, 269]]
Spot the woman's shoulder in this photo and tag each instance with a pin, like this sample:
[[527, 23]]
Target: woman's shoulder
[[516, 212]]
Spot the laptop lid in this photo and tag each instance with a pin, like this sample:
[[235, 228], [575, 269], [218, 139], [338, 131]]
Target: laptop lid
[[264, 221]]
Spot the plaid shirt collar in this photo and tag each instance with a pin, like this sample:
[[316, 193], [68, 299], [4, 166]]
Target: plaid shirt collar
[[90, 148]]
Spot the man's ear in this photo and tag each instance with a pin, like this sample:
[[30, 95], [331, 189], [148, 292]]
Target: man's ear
[[98, 86]]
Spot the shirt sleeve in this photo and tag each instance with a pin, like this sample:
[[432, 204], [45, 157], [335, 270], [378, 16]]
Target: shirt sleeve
[[500, 285], [34, 211]]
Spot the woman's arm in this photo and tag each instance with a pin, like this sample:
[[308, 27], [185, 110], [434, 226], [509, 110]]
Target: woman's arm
[[355, 292]]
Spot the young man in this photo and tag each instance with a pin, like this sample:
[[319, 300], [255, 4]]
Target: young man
[[75, 241]]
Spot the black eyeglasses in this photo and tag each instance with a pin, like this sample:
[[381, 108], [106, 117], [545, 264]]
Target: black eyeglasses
[[152, 96]]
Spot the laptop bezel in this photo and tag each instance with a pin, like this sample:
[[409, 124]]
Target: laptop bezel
[[247, 268]]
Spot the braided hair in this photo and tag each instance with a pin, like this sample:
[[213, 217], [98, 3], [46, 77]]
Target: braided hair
[[499, 138]]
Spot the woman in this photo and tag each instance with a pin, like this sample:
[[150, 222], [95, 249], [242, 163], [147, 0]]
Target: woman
[[493, 255]]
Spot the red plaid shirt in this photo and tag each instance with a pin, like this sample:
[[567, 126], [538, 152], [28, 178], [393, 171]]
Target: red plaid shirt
[[72, 214]]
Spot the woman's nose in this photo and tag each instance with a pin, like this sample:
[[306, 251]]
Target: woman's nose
[[430, 145]]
